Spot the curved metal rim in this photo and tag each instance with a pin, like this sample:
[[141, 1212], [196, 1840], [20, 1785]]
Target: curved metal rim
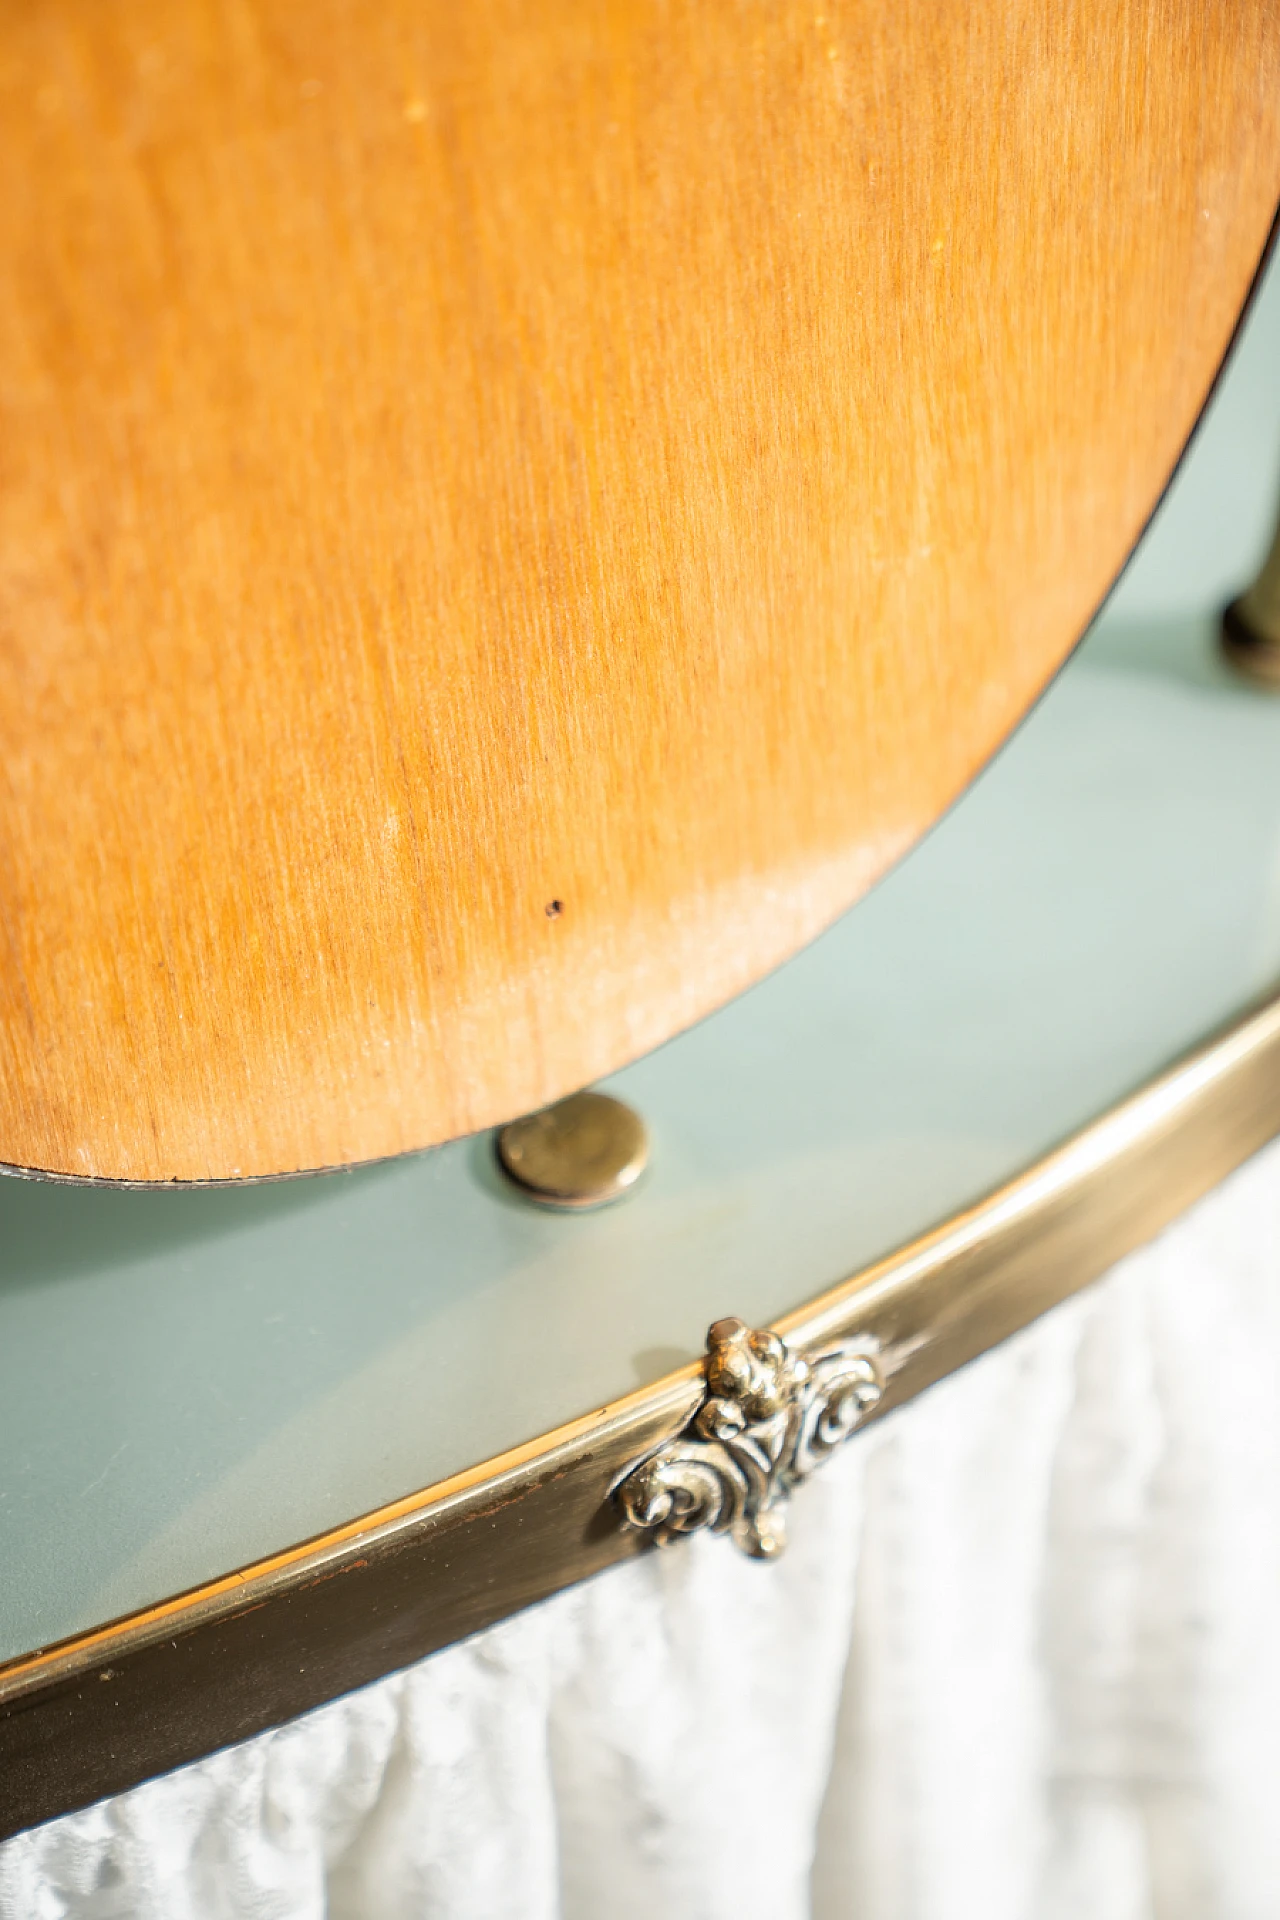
[[108, 1709]]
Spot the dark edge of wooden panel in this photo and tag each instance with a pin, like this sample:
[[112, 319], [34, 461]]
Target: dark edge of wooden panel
[[104, 1711]]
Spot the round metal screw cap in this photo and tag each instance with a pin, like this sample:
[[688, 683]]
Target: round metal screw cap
[[582, 1152]]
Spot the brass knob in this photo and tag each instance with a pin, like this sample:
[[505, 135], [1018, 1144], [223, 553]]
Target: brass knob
[[582, 1152], [1251, 626]]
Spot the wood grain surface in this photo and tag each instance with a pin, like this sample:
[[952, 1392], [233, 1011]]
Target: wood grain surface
[[514, 515]]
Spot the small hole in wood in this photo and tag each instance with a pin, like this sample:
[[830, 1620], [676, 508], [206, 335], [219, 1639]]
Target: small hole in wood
[[554, 909]]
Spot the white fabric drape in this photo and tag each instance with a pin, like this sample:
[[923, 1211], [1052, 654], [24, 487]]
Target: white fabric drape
[[1021, 1662]]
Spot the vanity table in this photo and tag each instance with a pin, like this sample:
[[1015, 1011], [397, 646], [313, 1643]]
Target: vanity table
[[271, 1440], [917, 1140]]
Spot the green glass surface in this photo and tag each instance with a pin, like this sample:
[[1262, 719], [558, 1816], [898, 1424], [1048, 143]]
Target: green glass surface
[[191, 1380]]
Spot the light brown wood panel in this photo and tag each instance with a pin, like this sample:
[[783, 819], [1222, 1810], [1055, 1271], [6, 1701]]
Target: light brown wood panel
[[514, 515]]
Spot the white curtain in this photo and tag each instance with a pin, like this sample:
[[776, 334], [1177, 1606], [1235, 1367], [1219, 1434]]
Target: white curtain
[[1020, 1662]]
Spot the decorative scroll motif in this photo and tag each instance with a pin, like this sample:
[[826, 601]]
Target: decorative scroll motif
[[768, 1418]]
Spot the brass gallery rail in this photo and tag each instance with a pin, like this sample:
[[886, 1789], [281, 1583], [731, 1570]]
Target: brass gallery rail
[[108, 1709]]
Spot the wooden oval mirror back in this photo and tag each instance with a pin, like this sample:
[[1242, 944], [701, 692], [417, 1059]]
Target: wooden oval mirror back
[[514, 515]]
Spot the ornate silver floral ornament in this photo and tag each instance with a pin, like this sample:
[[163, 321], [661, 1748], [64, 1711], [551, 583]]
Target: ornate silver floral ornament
[[768, 1417]]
